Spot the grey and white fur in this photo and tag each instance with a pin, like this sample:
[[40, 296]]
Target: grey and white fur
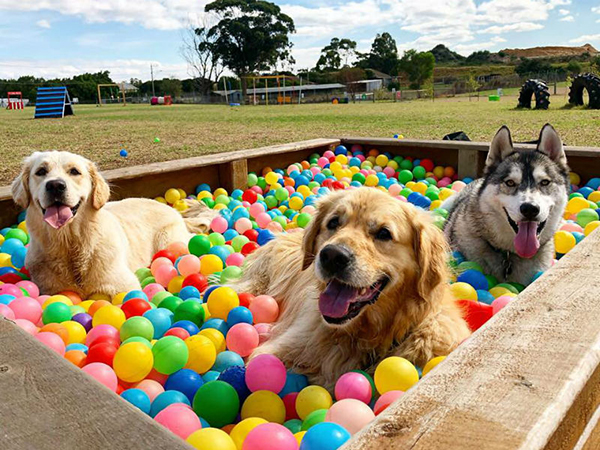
[[507, 219]]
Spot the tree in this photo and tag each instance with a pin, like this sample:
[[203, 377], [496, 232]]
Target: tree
[[383, 55], [336, 55], [251, 35], [418, 67], [478, 58], [532, 66], [574, 67], [349, 76], [443, 54], [204, 65], [171, 86]]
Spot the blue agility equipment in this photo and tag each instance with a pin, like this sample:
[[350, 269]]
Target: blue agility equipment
[[53, 103]]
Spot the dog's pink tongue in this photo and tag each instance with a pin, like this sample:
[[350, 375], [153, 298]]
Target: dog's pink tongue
[[57, 216], [335, 300], [526, 241]]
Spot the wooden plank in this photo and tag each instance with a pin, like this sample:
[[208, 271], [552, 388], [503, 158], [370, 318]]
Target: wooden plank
[[234, 174], [48, 403], [590, 438], [468, 163], [517, 379]]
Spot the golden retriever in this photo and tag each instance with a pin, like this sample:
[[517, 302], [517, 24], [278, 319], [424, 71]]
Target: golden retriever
[[80, 242], [378, 287]]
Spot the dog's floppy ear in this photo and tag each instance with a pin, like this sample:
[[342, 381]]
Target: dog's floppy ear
[[501, 147], [20, 187], [100, 188], [550, 145], [309, 241], [431, 250]]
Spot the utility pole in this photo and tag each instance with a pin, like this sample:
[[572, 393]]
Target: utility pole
[[152, 78]]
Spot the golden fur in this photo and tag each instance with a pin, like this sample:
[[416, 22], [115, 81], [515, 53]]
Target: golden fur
[[414, 317], [99, 249]]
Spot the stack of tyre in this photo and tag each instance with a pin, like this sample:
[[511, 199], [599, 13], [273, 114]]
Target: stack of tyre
[[589, 82], [534, 88]]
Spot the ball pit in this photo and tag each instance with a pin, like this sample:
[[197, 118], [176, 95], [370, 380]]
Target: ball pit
[[177, 349]]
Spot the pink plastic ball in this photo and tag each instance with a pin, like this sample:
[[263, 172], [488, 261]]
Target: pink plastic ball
[[270, 436], [164, 274], [257, 189], [160, 261], [350, 413], [27, 326], [309, 209], [499, 303], [26, 308], [151, 388], [444, 182], [265, 372], [242, 225], [315, 170], [7, 312], [395, 189], [235, 259], [328, 154], [102, 373], [353, 385], [322, 161], [263, 219], [152, 289], [571, 227], [219, 224], [275, 227], [242, 338], [389, 171], [264, 309], [30, 287], [386, 400], [188, 265], [53, 341], [264, 332], [178, 249], [256, 209], [458, 186], [42, 299], [101, 330], [179, 419], [402, 199], [10, 289]]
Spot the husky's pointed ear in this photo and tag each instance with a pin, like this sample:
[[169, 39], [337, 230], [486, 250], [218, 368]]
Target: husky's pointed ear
[[501, 147], [20, 187], [100, 188], [309, 242], [550, 145]]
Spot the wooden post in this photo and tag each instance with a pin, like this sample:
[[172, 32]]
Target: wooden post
[[233, 174], [469, 162]]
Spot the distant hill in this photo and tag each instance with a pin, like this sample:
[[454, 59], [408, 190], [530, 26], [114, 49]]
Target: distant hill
[[443, 54], [549, 52]]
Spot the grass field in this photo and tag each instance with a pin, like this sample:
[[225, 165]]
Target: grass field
[[190, 130]]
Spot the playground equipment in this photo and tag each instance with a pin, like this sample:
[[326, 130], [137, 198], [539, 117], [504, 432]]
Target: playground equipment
[[53, 103], [281, 91], [588, 82], [121, 90], [167, 100], [15, 103], [537, 88]]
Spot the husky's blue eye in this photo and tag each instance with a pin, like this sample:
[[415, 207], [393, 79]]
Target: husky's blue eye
[[544, 182], [510, 183]]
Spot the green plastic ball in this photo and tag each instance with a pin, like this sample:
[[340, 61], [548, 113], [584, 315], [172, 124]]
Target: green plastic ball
[[406, 164], [143, 273], [294, 425], [170, 354], [189, 310], [199, 245], [144, 341], [231, 273], [17, 233], [216, 239], [238, 242], [136, 326], [208, 202], [252, 179], [314, 418], [419, 172], [271, 201], [171, 303], [217, 402], [586, 216], [56, 313], [405, 176], [303, 220], [159, 297], [359, 177], [467, 265], [282, 194], [146, 281]]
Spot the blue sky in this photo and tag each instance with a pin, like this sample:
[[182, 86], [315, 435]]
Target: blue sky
[[64, 37]]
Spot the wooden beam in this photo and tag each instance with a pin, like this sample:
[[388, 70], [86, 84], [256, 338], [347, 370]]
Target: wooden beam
[[528, 379], [234, 174], [48, 403]]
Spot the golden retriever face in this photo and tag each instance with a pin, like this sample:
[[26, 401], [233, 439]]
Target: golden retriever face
[[58, 185], [369, 251]]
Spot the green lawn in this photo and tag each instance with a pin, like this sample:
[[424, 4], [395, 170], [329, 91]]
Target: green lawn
[[189, 130]]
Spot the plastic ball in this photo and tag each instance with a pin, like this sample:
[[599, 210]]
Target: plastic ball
[[201, 353], [221, 301], [103, 352], [179, 419], [395, 374], [109, 315], [227, 359], [351, 414], [242, 338], [325, 436], [353, 385], [266, 405], [270, 436], [199, 245], [241, 430], [239, 314], [386, 400], [188, 265], [564, 241], [190, 310], [265, 372], [210, 264], [314, 418], [136, 326], [312, 398], [165, 399], [137, 398], [217, 402], [211, 439], [264, 309], [464, 291], [103, 374], [56, 313], [133, 362], [216, 336], [170, 355], [51, 340], [431, 364], [160, 319], [27, 308], [135, 307]]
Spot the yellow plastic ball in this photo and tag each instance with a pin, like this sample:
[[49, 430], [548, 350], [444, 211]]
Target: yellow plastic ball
[[180, 205], [342, 159], [86, 304], [372, 180], [206, 311], [446, 193], [463, 291], [296, 203], [372, 160], [203, 194], [499, 291], [5, 259], [564, 241], [172, 195], [76, 331], [23, 227], [220, 191], [431, 364], [219, 206], [299, 436], [57, 298], [241, 430], [335, 166], [395, 374], [354, 169], [411, 185], [202, 353], [109, 315], [175, 284], [421, 187], [312, 398], [305, 191], [393, 164], [266, 405], [210, 439], [210, 264], [182, 193], [116, 300], [161, 200], [100, 296], [574, 178], [216, 337], [576, 204], [591, 227], [594, 196], [2, 239], [438, 172], [271, 178], [381, 160], [133, 362], [435, 204], [221, 301]]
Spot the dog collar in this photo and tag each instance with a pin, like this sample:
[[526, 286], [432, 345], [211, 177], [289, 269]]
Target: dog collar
[[506, 260]]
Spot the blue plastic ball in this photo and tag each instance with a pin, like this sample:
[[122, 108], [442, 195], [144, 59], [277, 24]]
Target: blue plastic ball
[[230, 234], [264, 236], [165, 399], [227, 359], [185, 381], [340, 150], [294, 382], [123, 153], [239, 314], [189, 292], [137, 398], [135, 294], [236, 377], [217, 324], [160, 319], [203, 187], [188, 326], [76, 346], [5, 299], [474, 278], [211, 375], [324, 436], [484, 296]]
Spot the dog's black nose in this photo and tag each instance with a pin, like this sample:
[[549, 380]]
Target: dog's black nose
[[56, 186], [335, 259], [530, 211]]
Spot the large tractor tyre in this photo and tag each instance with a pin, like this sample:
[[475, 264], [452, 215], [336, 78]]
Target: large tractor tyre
[[537, 89], [589, 82]]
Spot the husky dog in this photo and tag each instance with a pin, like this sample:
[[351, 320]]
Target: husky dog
[[506, 220]]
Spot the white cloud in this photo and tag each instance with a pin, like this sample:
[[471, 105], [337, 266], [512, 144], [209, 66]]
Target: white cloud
[[512, 28], [568, 19], [563, 12], [43, 24], [596, 9], [586, 38]]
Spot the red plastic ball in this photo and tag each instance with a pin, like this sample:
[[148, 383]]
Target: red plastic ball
[[289, 401], [105, 339], [249, 248], [135, 307], [337, 185], [103, 353], [165, 254], [427, 164], [245, 299], [249, 196], [197, 280], [251, 234], [328, 183], [178, 332]]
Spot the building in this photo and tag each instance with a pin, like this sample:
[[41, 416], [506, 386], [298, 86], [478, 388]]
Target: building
[[288, 94]]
